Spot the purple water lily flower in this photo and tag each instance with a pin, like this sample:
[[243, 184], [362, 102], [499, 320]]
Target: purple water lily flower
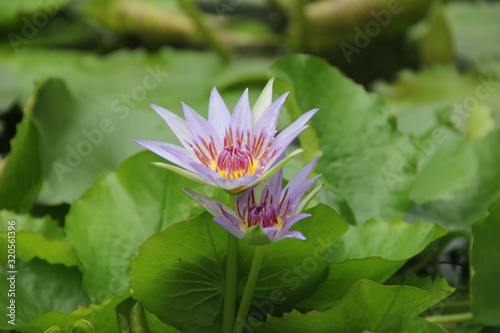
[[266, 213], [233, 152]]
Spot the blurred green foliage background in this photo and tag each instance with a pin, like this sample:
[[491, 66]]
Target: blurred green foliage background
[[77, 76]]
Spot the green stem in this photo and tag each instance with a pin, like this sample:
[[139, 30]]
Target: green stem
[[207, 31], [302, 27], [229, 310], [451, 318], [253, 276]]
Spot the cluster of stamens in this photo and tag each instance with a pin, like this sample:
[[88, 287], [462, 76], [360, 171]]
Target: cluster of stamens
[[266, 213], [234, 162], [242, 153]]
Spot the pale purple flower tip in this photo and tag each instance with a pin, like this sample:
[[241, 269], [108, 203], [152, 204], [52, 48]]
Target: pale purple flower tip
[[229, 151]]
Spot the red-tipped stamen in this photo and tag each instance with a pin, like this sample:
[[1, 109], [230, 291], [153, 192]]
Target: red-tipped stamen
[[266, 213]]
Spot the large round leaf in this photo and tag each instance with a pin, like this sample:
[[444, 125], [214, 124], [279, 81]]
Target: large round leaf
[[367, 306], [36, 237], [179, 274], [485, 271], [375, 251], [82, 123], [362, 151], [39, 288], [472, 203], [21, 172]]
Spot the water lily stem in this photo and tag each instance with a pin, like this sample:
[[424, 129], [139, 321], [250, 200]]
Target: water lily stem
[[450, 318], [302, 26], [229, 310], [207, 30], [253, 276]]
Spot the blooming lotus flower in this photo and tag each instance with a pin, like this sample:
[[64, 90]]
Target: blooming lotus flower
[[265, 213], [232, 152]]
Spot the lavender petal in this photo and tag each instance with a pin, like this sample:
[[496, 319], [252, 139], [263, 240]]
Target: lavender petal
[[218, 113], [176, 124]]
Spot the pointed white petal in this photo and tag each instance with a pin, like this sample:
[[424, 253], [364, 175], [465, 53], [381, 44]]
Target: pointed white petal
[[269, 119], [308, 198], [263, 101], [183, 172], [266, 175]]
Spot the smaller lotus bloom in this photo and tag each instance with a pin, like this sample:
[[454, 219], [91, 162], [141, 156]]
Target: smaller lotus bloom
[[265, 213], [230, 151]]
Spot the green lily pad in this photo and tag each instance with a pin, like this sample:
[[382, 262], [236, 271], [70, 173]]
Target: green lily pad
[[392, 241], [40, 237], [449, 169], [21, 174], [417, 97], [118, 213], [361, 147], [323, 228], [32, 13], [416, 324], [375, 251], [24, 222], [8, 89], [472, 203], [40, 288], [97, 105], [100, 317], [475, 29], [367, 306], [485, 271], [181, 271]]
